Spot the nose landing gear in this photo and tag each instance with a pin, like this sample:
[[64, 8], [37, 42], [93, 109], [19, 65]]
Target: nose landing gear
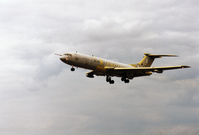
[[72, 69]]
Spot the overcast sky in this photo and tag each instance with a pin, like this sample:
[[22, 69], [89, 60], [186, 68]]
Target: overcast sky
[[40, 96]]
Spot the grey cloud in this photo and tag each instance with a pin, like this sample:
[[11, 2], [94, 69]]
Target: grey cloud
[[39, 95], [177, 130]]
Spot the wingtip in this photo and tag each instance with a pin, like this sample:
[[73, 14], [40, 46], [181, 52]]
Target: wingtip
[[184, 66], [174, 56]]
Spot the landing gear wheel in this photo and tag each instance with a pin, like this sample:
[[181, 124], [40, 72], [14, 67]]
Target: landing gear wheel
[[126, 81], [108, 79], [72, 69], [112, 82]]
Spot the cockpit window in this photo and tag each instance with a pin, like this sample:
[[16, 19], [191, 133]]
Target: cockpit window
[[68, 54]]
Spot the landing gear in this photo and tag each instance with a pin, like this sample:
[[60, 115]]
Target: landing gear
[[90, 75], [126, 80], [112, 82], [108, 79], [72, 69]]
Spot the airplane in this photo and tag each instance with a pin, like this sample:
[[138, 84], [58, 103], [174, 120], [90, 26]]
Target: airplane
[[108, 68]]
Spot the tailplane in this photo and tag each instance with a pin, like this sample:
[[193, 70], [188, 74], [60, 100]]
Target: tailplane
[[149, 58]]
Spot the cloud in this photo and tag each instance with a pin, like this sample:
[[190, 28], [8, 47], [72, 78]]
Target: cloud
[[177, 130], [39, 94]]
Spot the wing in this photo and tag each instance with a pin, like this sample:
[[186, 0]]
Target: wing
[[140, 71], [148, 68]]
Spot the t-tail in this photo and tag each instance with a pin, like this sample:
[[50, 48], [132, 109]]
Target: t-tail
[[149, 58]]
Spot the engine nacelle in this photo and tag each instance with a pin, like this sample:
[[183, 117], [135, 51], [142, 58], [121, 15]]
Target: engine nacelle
[[148, 73], [90, 75]]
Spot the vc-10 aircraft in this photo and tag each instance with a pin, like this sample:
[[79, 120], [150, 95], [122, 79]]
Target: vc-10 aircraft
[[103, 67]]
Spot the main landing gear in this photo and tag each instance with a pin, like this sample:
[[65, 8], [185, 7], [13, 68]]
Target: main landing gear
[[108, 79], [126, 80]]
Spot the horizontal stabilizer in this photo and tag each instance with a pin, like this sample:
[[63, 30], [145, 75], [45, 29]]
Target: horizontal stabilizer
[[159, 56]]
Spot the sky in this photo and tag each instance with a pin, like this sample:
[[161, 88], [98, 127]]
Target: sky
[[39, 95]]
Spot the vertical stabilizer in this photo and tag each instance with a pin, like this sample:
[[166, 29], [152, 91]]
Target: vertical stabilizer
[[149, 58]]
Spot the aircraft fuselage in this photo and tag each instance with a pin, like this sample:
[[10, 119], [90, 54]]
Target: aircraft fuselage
[[90, 62]]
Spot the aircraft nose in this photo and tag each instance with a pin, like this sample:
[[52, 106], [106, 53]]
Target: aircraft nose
[[63, 59]]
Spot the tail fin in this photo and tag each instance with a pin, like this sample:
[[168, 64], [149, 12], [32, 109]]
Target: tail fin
[[149, 58]]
